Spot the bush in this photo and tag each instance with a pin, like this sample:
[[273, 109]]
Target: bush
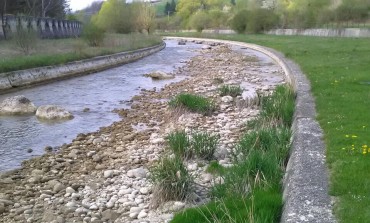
[[194, 103], [179, 143], [204, 145], [25, 40], [200, 21], [171, 180], [230, 90], [260, 20], [239, 22], [93, 35]]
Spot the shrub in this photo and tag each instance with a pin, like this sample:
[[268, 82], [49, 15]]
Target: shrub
[[260, 20], [179, 143], [25, 40], [204, 145], [93, 35], [194, 103], [230, 90], [200, 21], [239, 22], [171, 180]]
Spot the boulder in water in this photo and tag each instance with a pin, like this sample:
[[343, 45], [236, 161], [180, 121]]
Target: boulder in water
[[159, 75], [53, 112], [17, 105]]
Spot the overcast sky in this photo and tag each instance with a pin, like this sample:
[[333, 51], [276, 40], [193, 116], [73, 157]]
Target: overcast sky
[[80, 4]]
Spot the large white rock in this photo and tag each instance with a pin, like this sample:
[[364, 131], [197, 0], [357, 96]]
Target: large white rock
[[53, 112], [159, 75], [17, 105]]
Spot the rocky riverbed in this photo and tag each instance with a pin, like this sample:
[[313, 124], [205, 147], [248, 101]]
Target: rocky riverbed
[[103, 176]]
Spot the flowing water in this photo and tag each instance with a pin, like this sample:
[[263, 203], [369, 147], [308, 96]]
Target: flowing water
[[101, 92]]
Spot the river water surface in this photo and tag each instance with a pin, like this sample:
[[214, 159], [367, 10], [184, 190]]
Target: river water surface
[[101, 92]]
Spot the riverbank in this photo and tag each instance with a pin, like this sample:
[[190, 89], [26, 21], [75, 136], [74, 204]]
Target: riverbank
[[49, 52], [102, 176]]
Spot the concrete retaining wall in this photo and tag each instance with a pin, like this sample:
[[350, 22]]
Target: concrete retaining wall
[[347, 32], [28, 77], [306, 188], [44, 27]]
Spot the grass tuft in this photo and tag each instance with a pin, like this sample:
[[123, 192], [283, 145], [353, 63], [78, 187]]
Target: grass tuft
[[232, 91], [194, 103], [171, 180], [179, 144], [204, 145]]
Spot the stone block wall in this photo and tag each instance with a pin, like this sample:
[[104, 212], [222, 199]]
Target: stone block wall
[[44, 27]]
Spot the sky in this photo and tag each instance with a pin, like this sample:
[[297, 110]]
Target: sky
[[80, 4]]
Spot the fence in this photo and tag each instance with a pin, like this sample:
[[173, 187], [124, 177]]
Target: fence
[[45, 27]]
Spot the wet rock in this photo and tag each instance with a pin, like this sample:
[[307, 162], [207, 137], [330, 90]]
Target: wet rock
[[17, 105], [159, 75], [53, 112], [181, 42]]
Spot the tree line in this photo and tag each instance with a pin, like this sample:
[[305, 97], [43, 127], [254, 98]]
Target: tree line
[[36, 8]]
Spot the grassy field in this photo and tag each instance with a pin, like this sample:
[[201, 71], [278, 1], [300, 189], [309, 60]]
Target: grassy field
[[339, 71], [59, 51]]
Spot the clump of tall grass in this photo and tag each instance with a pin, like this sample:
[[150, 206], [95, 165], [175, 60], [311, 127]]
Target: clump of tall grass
[[204, 145], [171, 180], [263, 206], [194, 103], [230, 90], [278, 108], [179, 144], [267, 139]]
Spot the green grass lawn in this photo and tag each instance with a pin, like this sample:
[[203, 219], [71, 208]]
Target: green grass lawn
[[339, 71], [59, 51]]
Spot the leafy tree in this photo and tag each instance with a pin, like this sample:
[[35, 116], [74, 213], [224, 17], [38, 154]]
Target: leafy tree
[[167, 9], [145, 17], [239, 21], [115, 16], [200, 21], [173, 7]]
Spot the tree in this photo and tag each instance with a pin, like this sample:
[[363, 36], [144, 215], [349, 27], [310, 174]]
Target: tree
[[145, 17], [167, 9], [173, 7], [232, 2]]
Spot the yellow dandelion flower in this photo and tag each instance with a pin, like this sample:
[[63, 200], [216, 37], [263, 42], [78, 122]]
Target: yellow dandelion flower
[[368, 150], [364, 152], [364, 146]]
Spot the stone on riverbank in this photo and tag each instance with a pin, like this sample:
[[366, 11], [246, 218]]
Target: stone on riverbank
[[53, 112], [17, 105], [159, 75]]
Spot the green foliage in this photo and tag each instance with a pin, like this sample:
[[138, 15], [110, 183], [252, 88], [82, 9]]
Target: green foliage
[[260, 207], [200, 21], [239, 22], [279, 107], [268, 139], [204, 145], [93, 35], [171, 180], [179, 144], [194, 103], [230, 90], [215, 168]]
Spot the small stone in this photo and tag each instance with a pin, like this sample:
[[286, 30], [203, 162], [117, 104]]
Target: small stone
[[137, 173], [142, 215], [227, 99], [108, 173], [86, 220], [30, 150], [48, 149], [58, 187], [144, 190], [93, 207], [70, 190], [2, 208]]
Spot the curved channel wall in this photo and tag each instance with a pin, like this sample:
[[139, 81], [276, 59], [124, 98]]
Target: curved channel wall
[[306, 190], [23, 78]]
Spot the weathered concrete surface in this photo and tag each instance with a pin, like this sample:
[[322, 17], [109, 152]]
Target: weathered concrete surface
[[28, 77], [345, 32], [306, 195]]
